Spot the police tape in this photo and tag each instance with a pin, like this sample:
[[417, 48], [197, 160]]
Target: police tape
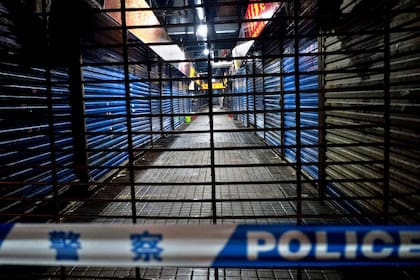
[[208, 245]]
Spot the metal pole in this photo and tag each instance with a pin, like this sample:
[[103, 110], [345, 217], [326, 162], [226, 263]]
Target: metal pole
[[387, 121], [211, 122], [160, 97], [264, 89], [171, 99], [149, 86], [322, 149], [254, 91], [128, 119], [247, 95], [296, 8], [53, 156], [78, 121], [282, 114]]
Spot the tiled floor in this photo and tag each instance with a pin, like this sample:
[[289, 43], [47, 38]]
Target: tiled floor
[[198, 211]]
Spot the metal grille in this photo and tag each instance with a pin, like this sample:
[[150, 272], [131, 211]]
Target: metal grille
[[317, 124]]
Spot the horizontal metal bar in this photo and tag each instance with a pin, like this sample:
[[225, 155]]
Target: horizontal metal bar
[[197, 200], [209, 217]]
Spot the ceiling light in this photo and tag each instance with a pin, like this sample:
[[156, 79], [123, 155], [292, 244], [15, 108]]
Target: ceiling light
[[200, 13], [180, 32], [221, 64], [202, 31], [225, 31]]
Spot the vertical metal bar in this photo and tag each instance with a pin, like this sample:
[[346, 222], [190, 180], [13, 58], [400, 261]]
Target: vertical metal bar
[[238, 99], [128, 111], [184, 100], [247, 94], [171, 99], [149, 87], [78, 121], [235, 105], [211, 123], [254, 91], [282, 114], [322, 149], [160, 97], [263, 84], [387, 101], [124, 31], [53, 157], [210, 32], [296, 8], [178, 101]]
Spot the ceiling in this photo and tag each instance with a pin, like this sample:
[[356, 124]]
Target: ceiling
[[182, 18]]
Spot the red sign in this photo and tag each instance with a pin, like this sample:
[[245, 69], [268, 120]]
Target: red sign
[[258, 11]]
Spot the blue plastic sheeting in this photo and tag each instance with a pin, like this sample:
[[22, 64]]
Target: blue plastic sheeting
[[25, 133]]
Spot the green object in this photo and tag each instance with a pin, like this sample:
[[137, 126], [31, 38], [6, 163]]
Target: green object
[[187, 119]]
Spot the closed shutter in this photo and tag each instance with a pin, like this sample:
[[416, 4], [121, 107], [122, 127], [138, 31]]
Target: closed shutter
[[25, 91], [259, 97], [289, 104], [272, 85], [308, 92], [357, 101], [250, 105], [166, 106], [25, 142], [106, 123]]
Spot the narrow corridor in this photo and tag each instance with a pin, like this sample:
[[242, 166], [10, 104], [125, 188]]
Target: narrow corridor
[[247, 202]]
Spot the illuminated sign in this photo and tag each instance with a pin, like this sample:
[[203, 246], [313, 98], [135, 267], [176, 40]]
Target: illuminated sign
[[205, 86], [258, 11], [252, 29]]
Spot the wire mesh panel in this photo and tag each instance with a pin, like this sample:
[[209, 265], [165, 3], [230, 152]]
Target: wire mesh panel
[[209, 112]]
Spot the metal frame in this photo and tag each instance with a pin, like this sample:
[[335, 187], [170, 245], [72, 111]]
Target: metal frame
[[355, 134]]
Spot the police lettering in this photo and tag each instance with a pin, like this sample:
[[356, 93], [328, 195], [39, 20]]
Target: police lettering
[[294, 245]]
